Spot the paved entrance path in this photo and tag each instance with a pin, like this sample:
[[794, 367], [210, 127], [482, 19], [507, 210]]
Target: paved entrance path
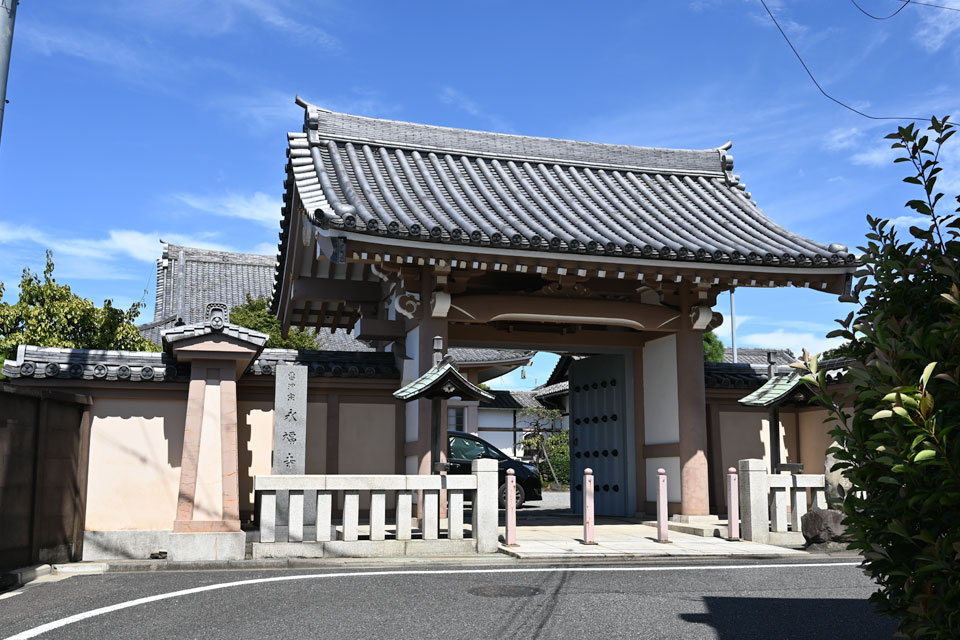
[[622, 539], [547, 530]]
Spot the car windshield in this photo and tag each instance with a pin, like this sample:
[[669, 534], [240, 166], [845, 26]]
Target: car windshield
[[461, 448]]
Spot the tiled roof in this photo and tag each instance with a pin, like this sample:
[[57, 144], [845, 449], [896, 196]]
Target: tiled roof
[[548, 390], [467, 355], [149, 366], [458, 187], [227, 278], [758, 356], [336, 364], [189, 279], [726, 375], [184, 332], [436, 379], [503, 399], [786, 384], [94, 364]]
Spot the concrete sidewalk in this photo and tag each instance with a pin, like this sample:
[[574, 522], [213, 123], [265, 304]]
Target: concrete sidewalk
[[619, 539]]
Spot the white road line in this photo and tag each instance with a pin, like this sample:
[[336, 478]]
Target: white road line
[[56, 624]]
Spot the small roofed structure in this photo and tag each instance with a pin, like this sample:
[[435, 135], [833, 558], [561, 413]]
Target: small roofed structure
[[441, 382]]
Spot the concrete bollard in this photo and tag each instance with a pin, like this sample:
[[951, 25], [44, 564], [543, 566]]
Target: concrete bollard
[[662, 529], [733, 505], [588, 537], [754, 509], [511, 535]]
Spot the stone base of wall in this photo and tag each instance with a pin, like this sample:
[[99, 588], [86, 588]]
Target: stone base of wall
[[364, 549], [185, 547]]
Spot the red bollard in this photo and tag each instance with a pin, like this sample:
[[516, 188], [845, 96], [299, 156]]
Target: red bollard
[[662, 531], [511, 537], [588, 507], [733, 504]]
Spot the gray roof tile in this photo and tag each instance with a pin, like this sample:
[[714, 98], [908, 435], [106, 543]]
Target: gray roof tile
[[419, 182]]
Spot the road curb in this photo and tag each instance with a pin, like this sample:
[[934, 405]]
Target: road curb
[[26, 575], [504, 558]]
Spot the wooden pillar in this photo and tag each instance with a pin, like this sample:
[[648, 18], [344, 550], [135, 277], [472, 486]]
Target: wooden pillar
[[694, 476]]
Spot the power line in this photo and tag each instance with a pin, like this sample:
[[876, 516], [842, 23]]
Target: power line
[[870, 15], [810, 73], [928, 4]]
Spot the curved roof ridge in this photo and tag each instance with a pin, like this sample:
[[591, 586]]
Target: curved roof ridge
[[320, 123]]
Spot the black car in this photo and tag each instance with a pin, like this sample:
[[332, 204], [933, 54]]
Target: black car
[[463, 448]]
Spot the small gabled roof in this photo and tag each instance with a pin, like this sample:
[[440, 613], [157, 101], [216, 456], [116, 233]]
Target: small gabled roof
[[254, 339], [442, 380], [785, 385]]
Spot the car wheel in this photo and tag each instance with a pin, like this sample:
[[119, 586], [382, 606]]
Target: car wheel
[[521, 495]]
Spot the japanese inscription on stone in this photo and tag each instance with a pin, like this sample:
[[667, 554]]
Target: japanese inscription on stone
[[290, 420]]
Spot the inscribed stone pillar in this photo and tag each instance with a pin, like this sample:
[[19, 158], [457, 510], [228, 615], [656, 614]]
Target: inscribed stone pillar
[[290, 420]]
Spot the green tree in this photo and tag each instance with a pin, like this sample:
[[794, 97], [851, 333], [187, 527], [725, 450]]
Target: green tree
[[255, 314], [541, 419], [48, 314], [897, 436], [712, 347]]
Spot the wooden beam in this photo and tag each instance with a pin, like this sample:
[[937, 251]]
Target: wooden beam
[[633, 315], [313, 289], [378, 329], [482, 335]]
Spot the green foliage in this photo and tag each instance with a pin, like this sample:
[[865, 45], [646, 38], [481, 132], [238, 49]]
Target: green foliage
[[897, 434], [712, 347], [48, 314], [255, 314], [554, 466]]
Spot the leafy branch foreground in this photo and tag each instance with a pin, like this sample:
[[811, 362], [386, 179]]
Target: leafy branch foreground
[[897, 425]]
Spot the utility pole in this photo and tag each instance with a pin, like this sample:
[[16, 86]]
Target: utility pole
[[8, 14]]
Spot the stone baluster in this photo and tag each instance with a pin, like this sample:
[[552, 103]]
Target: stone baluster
[[378, 515], [455, 514], [268, 516], [351, 515]]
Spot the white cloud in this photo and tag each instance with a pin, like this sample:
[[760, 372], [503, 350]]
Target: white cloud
[[903, 223], [937, 27], [882, 156], [51, 40], [842, 138], [796, 341], [220, 17], [449, 95], [258, 207], [141, 246]]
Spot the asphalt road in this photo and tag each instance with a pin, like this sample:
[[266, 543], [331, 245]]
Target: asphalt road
[[689, 601]]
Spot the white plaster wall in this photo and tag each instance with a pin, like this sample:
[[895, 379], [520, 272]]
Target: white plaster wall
[[495, 418], [746, 434], [672, 466], [661, 417], [815, 439], [134, 472], [255, 443], [367, 438]]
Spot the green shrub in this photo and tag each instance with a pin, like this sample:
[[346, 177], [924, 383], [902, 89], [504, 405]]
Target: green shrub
[[558, 448], [897, 432]]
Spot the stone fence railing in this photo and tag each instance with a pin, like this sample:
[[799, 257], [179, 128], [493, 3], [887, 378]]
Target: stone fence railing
[[764, 498], [347, 537]]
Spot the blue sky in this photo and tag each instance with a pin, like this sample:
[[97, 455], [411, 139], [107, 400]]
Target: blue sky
[[131, 122]]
